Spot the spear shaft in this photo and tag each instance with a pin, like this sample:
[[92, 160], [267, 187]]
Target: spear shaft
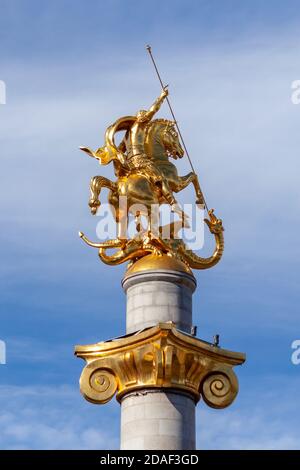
[[173, 115]]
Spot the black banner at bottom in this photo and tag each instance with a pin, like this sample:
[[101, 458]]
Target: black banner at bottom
[[134, 459]]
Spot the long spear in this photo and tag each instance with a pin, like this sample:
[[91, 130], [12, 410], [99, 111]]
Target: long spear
[[173, 115]]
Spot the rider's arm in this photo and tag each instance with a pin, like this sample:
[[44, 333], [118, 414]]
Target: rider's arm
[[157, 104]]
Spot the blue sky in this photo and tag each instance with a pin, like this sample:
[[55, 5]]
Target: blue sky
[[71, 68]]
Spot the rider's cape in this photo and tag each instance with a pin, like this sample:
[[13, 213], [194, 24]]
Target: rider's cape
[[111, 151]]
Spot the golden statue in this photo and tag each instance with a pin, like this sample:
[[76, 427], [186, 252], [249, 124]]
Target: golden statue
[[147, 178]]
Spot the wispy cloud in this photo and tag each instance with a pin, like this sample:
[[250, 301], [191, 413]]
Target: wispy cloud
[[56, 417], [263, 417], [52, 418]]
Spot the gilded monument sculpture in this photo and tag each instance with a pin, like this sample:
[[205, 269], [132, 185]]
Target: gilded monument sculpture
[[146, 178]]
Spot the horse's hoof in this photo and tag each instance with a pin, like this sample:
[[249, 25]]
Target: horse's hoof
[[94, 204]]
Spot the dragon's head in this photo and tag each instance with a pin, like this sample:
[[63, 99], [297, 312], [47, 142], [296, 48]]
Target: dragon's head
[[214, 224]]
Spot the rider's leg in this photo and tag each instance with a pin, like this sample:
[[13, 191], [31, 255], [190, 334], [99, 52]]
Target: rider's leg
[[160, 181], [167, 193]]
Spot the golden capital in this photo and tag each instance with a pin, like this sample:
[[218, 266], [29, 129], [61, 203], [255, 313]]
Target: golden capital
[[159, 357]]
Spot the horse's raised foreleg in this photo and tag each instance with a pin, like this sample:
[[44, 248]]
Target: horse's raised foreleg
[[97, 183], [184, 181], [199, 195]]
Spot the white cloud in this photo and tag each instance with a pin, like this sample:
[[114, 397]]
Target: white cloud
[[33, 350], [38, 417], [263, 417]]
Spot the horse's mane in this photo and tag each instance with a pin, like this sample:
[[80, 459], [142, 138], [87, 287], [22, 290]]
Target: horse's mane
[[160, 122]]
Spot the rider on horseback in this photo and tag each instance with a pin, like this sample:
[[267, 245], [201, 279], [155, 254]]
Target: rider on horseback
[[136, 157]]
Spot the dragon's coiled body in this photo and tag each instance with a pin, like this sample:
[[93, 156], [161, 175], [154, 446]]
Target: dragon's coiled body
[[131, 250]]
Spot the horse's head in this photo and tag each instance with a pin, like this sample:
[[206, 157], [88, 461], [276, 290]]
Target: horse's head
[[162, 138], [171, 141]]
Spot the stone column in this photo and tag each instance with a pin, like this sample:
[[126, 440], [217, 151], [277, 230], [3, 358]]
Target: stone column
[[158, 370], [158, 290], [153, 420]]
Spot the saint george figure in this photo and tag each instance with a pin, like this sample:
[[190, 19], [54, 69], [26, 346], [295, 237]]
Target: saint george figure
[[137, 159]]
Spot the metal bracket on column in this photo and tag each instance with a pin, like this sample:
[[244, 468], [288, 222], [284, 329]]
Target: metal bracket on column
[[159, 357]]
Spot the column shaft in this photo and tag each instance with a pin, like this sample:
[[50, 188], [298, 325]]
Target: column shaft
[[155, 421], [158, 419]]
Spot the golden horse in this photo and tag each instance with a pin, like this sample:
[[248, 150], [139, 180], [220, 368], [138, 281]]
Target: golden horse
[[161, 144]]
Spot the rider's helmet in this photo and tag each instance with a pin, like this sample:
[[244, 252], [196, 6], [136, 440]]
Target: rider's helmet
[[142, 115]]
